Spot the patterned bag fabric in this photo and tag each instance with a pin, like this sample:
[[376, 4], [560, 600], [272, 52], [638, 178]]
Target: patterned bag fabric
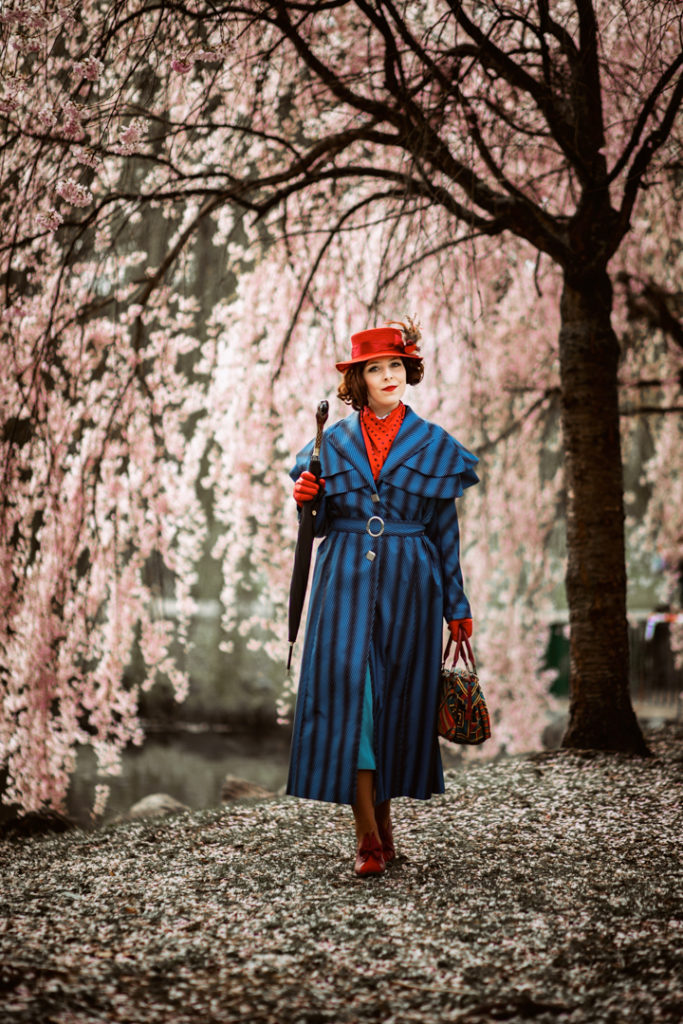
[[463, 715]]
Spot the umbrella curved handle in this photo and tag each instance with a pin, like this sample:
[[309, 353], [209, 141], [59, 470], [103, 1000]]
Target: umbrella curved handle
[[320, 419]]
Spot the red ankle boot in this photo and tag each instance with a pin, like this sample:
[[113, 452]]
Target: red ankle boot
[[386, 835], [369, 859]]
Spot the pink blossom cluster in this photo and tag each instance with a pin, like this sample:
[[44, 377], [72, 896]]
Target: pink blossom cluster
[[91, 68], [49, 220], [27, 15], [130, 138], [74, 589], [86, 157], [45, 119], [9, 97], [73, 193], [208, 56], [72, 118], [181, 65]]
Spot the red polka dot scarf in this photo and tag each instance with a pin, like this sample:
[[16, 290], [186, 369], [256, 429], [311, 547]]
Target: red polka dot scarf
[[379, 434]]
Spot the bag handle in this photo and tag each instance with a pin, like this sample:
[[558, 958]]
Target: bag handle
[[463, 649]]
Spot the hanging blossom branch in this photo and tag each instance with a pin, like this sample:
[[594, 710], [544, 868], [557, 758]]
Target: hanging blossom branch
[[119, 163]]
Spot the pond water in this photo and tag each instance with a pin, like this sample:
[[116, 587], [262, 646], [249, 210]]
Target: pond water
[[188, 764]]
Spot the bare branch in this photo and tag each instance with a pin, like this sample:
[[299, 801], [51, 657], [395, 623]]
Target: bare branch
[[518, 421], [654, 305], [651, 410], [564, 132], [645, 113], [587, 86], [549, 25], [406, 268], [643, 158], [412, 187], [334, 231]]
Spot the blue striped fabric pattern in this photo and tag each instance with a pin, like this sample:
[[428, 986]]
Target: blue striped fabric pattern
[[386, 612]]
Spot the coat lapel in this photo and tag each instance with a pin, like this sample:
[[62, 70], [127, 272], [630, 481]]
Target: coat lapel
[[347, 442], [346, 446], [413, 435]]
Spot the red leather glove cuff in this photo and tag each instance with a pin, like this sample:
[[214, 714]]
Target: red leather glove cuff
[[456, 624]]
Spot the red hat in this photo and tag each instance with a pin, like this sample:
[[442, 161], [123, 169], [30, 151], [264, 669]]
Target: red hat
[[376, 343]]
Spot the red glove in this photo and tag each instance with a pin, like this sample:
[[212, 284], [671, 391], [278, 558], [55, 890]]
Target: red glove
[[457, 624], [306, 487]]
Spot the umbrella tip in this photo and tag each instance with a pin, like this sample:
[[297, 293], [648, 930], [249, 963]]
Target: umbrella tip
[[289, 657]]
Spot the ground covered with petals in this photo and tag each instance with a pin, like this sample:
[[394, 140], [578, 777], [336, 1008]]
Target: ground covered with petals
[[548, 887]]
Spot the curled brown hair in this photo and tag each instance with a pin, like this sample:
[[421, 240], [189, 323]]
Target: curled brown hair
[[353, 390]]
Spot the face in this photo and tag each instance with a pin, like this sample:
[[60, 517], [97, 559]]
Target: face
[[385, 380]]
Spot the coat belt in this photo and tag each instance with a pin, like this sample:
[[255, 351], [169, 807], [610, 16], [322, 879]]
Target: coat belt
[[375, 526]]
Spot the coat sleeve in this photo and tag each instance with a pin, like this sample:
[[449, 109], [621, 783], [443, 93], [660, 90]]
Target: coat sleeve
[[444, 532], [440, 470]]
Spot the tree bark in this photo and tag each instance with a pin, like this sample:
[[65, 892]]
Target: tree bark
[[601, 715]]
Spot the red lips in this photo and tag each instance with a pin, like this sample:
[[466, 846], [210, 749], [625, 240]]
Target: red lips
[[392, 388]]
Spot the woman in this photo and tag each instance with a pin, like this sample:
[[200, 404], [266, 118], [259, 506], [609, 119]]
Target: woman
[[386, 575]]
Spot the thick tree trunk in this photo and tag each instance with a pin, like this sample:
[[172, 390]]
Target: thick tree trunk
[[601, 715]]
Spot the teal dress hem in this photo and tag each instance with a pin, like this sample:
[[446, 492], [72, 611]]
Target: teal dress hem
[[366, 753]]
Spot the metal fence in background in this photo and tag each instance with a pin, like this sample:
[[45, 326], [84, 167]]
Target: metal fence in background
[[656, 682], [655, 679]]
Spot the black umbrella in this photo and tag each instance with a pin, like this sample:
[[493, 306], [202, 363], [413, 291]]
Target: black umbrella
[[304, 542]]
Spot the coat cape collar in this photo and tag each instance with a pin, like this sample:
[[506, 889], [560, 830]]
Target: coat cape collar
[[346, 441]]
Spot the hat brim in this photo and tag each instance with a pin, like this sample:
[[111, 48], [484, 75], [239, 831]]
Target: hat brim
[[376, 355]]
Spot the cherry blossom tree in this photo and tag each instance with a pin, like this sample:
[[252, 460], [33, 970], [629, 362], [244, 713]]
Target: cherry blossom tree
[[202, 200], [539, 121]]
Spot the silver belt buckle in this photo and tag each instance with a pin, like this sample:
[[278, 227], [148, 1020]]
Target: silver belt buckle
[[368, 528]]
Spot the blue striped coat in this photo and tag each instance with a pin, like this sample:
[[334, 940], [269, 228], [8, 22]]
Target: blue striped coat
[[386, 611]]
